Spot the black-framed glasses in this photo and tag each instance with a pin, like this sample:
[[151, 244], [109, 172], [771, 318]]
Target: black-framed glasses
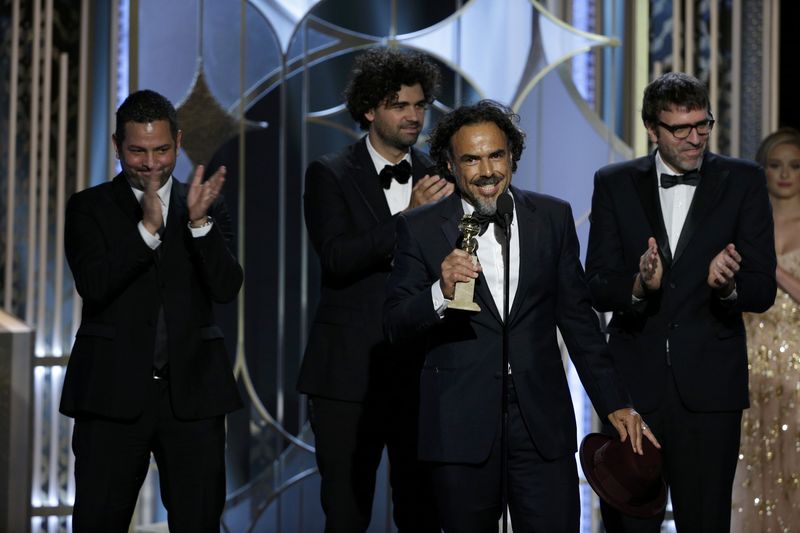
[[682, 131]]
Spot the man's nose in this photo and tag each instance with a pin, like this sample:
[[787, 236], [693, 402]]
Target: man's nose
[[693, 137], [413, 114], [484, 168]]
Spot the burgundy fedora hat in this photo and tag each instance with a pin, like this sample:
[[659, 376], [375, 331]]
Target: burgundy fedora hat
[[629, 482]]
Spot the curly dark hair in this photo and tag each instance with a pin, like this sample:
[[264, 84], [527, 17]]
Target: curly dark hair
[[377, 75], [483, 111], [673, 89], [142, 107]]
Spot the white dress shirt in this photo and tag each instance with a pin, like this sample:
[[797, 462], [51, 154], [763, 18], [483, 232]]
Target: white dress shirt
[[675, 203], [398, 195]]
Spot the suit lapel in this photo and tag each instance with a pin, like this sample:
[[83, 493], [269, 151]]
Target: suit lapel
[[704, 198], [451, 215], [646, 186], [419, 166], [528, 241], [367, 183], [125, 199]]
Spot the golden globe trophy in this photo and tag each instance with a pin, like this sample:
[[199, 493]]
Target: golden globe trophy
[[463, 299]]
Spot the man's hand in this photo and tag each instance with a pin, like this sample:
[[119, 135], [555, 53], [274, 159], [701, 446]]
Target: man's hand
[[722, 269], [458, 266], [650, 271], [428, 190], [627, 422], [152, 216], [202, 194]]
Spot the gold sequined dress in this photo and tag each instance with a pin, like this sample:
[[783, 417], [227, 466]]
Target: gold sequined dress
[[766, 492]]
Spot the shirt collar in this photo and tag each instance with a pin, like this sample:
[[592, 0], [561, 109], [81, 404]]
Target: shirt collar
[[379, 161], [163, 193], [662, 168]]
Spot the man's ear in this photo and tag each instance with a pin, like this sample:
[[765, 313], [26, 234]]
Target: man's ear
[[178, 139], [115, 145], [370, 115], [651, 132]]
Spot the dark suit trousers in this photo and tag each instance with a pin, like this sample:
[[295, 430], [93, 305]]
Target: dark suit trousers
[[349, 440], [543, 495], [700, 451], [112, 458]]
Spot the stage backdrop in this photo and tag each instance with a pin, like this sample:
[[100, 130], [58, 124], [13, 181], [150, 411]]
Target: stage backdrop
[[258, 88]]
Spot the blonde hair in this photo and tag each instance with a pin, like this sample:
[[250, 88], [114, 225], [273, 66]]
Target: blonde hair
[[782, 136]]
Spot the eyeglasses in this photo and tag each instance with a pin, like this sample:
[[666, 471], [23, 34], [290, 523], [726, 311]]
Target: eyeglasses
[[682, 131]]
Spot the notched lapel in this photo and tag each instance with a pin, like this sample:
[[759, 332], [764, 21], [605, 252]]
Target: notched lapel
[[704, 198], [528, 242], [647, 188]]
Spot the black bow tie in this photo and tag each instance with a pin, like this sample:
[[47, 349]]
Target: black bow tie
[[485, 220], [690, 178], [400, 172]]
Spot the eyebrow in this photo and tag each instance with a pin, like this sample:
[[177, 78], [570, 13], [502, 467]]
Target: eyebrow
[[159, 147], [404, 102], [495, 153], [687, 124]]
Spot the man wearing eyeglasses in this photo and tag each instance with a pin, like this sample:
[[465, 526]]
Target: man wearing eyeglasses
[[681, 243]]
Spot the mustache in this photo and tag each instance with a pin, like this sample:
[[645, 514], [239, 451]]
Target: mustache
[[487, 180]]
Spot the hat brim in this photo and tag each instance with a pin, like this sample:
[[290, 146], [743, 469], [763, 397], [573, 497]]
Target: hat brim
[[590, 444]]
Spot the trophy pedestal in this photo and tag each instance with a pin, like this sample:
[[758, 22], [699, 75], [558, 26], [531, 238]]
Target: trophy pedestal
[[464, 295]]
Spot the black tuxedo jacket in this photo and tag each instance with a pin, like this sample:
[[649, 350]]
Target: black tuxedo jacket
[[123, 283], [707, 348], [353, 233], [460, 386]]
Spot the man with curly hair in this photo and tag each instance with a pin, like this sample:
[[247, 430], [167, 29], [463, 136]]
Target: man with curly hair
[[462, 377], [363, 392]]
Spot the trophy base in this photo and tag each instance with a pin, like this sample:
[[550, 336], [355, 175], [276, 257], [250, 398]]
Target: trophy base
[[463, 297], [464, 306]]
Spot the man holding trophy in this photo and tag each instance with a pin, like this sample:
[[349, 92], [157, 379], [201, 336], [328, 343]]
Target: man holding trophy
[[461, 384]]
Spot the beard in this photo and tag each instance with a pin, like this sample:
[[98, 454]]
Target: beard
[[482, 205], [395, 137]]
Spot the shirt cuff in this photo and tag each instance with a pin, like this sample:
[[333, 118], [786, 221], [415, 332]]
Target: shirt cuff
[[153, 241], [203, 230], [440, 303], [732, 296]]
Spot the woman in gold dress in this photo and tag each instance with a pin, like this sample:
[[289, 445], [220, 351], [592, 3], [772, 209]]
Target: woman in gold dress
[[766, 493]]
